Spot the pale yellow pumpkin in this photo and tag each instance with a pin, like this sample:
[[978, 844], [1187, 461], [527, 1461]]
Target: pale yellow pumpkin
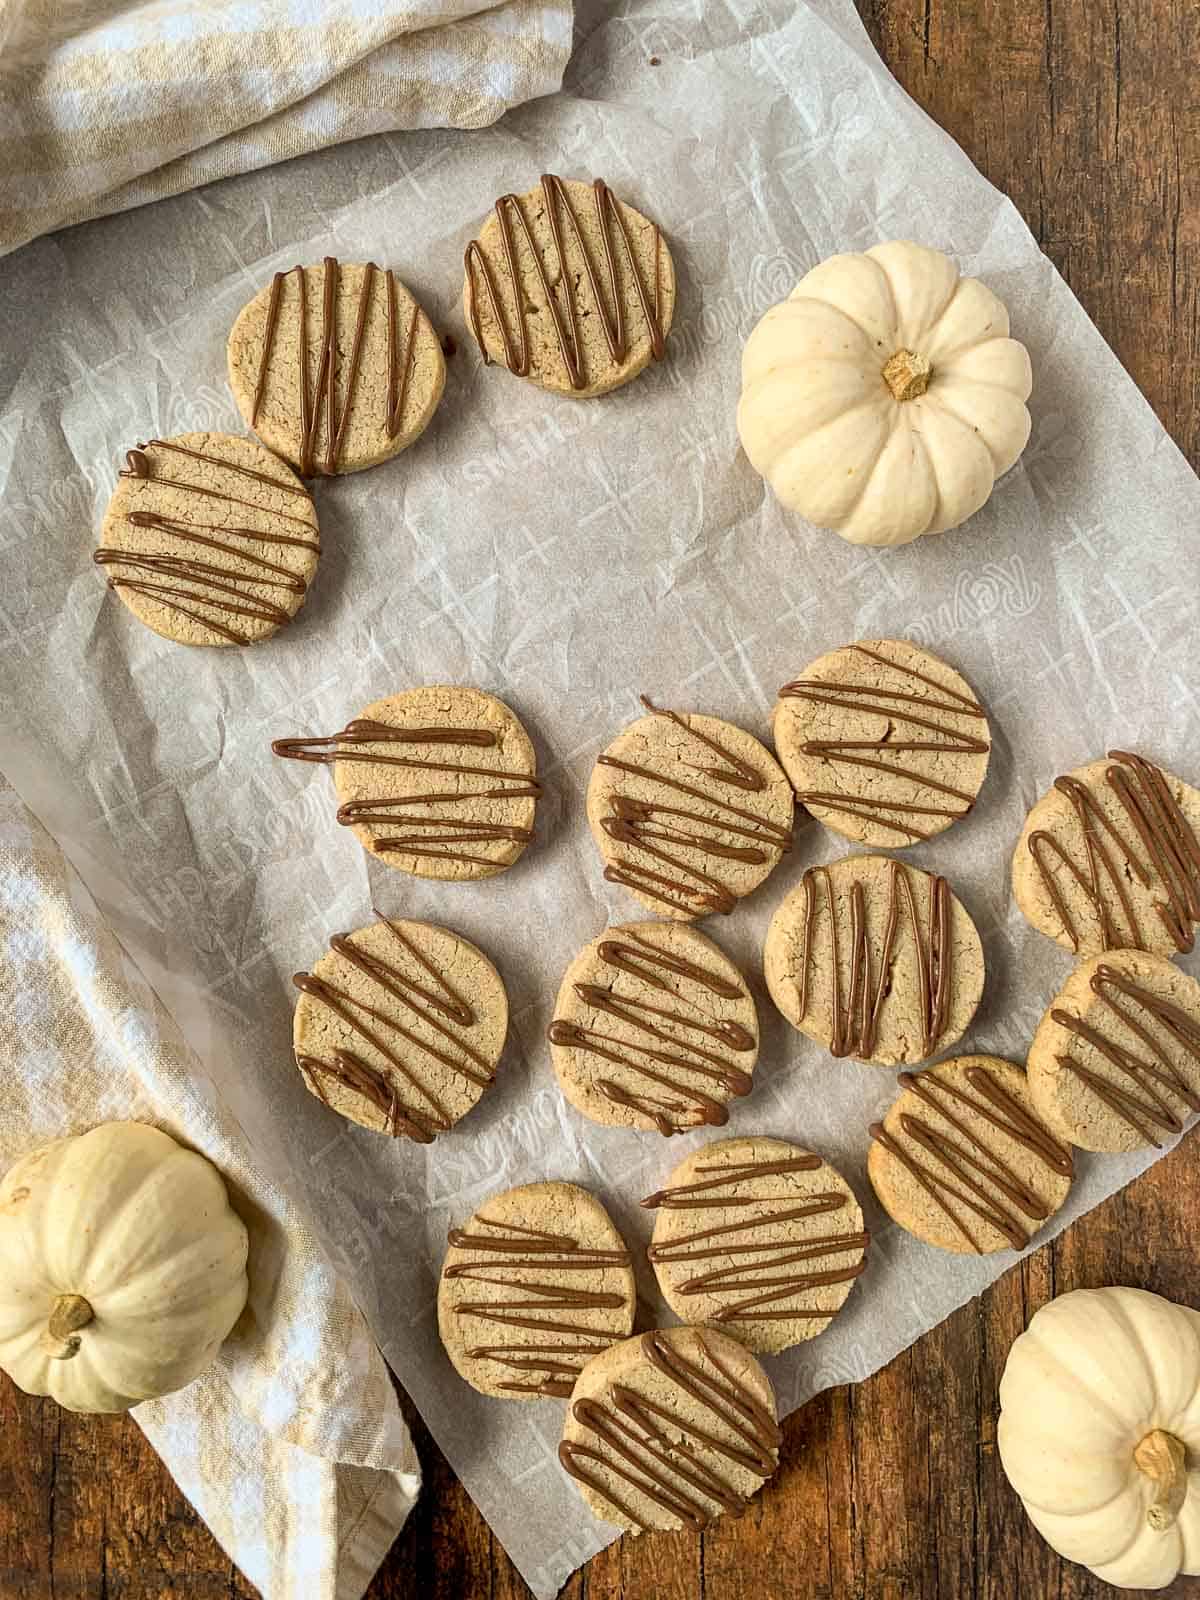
[[1100, 1432], [884, 397], [122, 1267]]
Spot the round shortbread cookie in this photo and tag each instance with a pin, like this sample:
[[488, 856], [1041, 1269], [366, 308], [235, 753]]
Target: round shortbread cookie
[[209, 540], [1115, 1062], [671, 1429], [962, 1160], [335, 367], [1109, 859], [439, 781], [399, 1026], [759, 1236], [655, 1028], [689, 813], [875, 959], [594, 289], [537, 1283], [883, 743]]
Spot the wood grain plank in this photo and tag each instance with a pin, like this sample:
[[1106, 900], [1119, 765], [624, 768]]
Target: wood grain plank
[[784, 1530], [87, 1510]]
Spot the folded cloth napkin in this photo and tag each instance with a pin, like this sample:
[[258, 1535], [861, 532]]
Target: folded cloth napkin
[[105, 104], [291, 1446]]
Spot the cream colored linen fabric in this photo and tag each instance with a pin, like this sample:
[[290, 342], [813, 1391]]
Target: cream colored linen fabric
[[106, 104], [291, 1446]]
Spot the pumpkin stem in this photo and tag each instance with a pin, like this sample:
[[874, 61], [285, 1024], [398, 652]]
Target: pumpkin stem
[[1162, 1458], [907, 375], [68, 1314]]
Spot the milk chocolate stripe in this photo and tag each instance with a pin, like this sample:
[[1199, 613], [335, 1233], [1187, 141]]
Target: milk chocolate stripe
[[319, 399], [674, 1199], [1171, 863], [731, 1079], [636, 823], [735, 771], [480, 279], [152, 519], [397, 388], [351, 1070], [140, 467], [428, 1006], [636, 956], [601, 998], [857, 1009], [770, 1256], [554, 1365], [186, 531], [684, 1478], [220, 461], [979, 1179], [615, 953], [414, 998], [205, 576], [1107, 983], [326, 749], [668, 1116], [865, 699]]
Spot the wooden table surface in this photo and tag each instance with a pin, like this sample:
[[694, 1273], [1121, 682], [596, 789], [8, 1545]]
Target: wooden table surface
[[1087, 113]]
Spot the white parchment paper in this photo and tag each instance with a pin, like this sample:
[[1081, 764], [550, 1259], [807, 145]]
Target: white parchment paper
[[565, 555]]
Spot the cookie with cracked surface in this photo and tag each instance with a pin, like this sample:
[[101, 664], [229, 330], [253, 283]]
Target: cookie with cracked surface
[[875, 959], [400, 1026], [537, 1283], [569, 287], [1115, 1062], [671, 1429], [1109, 859], [335, 368], [654, 1028], [883, 743], [963, 1161], [689, 813], [757, 1236], [209, 540], [439, 781]]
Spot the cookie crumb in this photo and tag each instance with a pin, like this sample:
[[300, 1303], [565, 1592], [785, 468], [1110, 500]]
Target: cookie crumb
[[449, 348], [655, 62]]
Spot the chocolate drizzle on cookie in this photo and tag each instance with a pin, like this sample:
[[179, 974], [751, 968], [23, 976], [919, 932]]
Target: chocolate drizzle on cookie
[[400, 1093], [441, 834], [610, 313], [506, 1256], [1137, 1100], [858, 1003], [635, 1438], [967, 1173], [736, 833], [318, 393], [664, 1047], [763, 1274], [1156, 823], [940, 717], [211, 593]]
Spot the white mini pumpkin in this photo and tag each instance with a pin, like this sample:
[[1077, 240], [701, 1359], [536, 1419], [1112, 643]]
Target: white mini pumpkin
[[1100, 1432], [122, 1267], [884, 397]]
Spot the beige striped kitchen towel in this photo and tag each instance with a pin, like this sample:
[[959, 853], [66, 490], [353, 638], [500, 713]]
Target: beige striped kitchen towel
[[291, 1445], [106, 104]]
